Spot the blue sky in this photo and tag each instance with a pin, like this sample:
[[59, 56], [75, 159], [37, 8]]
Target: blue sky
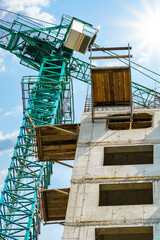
[[120, 22]]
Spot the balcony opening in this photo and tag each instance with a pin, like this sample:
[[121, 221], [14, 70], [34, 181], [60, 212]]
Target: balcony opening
[[125, 194], [128, 155], [120, 122], [124, 233]]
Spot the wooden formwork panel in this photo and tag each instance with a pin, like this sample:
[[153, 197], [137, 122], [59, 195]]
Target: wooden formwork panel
[[111, 86], [57, 142], [54, 204]]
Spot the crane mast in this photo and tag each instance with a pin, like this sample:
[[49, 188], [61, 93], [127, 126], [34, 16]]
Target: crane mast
[[47, 100]]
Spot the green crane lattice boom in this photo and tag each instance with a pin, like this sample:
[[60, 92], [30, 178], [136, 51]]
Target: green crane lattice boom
[[44, 101], [47, 99]]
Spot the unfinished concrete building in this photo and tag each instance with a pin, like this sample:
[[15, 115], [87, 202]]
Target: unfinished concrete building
[[114, 192]]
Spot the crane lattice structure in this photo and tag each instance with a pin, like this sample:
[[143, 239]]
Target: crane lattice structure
[[47, 100]]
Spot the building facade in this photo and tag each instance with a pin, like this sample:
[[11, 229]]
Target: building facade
[[115, 185]]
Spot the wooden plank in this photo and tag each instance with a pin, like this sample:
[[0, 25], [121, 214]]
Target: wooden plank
[[110, 49], [56, 204], [94, 76], [51, 191], [61, 191], [57, 196], [61, 129], [111, 57], [69, 127], [55, 207], [117, 87], [121, 83], [54, 194], [141, 124], [52, 131], [57, 148], [67, 165], [55, 214], [49, 153], [39, 143], [59, 208], [64, 126], [119, 126], [100, 88], [111, 87], [56, 155], [57, 217], [59, 201], [56, 138], [45, 206], [108, 69], [127, 85], [106, 87], [57, 158], [142, 116]]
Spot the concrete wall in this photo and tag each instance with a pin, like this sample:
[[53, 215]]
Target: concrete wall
[[84, 213]]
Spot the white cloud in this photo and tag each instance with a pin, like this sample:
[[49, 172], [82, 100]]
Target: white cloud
[[2, 67], [16, 5], [35, 12], [8, 151], [31, 8], [1, 61], [11, 136], [15, 111], [8, 141], [144, 58]]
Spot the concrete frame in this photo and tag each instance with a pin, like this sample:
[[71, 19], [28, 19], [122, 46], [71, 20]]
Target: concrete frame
[[83, 213]]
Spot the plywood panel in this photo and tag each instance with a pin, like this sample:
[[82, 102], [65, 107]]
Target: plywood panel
[[95, 86], [127, 85], [111, 86], [121, 82], [106, 87], [117, 87], [101, 97]]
